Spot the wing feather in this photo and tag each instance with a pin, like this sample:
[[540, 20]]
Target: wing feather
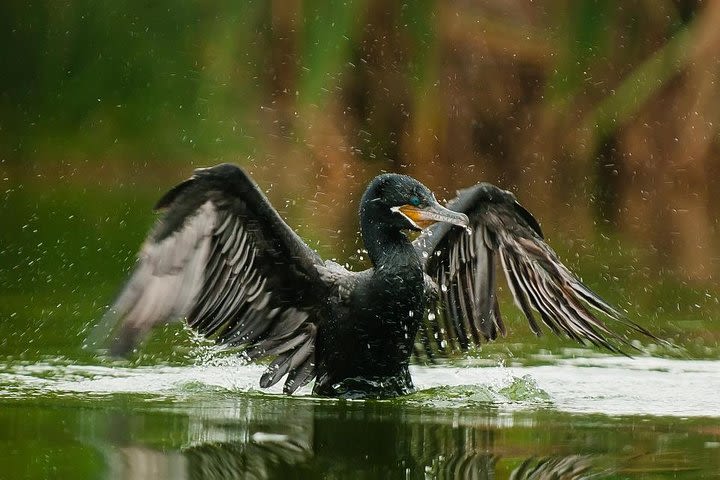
[[221, 258], [463, 263]]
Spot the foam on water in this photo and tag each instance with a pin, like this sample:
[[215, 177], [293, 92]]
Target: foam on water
[[607, 385]]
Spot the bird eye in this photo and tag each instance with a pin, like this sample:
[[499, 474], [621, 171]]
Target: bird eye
[[415, 201]]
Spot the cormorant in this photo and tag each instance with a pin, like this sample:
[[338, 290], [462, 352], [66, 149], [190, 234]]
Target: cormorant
[[224, 260]]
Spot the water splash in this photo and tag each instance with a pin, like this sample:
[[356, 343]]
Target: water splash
[[609, 385]]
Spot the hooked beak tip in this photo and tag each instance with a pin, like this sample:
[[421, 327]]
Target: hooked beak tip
[[451, 216], [443, 214], [463, 221]]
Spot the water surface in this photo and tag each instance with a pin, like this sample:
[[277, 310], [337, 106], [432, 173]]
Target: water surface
[[599, 417]]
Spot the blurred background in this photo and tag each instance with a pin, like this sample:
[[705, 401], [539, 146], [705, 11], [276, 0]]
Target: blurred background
[[602, 116]]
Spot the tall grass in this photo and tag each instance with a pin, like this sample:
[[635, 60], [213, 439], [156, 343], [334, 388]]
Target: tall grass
[[603, 116]]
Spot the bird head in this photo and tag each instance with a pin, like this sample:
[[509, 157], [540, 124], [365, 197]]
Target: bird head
[[403, 203]]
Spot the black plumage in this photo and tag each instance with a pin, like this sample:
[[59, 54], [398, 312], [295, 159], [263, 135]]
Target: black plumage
[[222, 258]]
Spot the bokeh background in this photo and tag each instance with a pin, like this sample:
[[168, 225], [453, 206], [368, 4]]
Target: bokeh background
[[602, 116]]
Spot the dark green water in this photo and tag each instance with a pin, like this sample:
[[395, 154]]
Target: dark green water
[[208, 433], [221, 436], [523, 408]]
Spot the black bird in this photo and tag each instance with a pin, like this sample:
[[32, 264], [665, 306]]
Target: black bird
[[224, 260]]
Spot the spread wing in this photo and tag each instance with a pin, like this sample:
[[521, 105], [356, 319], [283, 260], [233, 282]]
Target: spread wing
[[223, 259], [463, 265]]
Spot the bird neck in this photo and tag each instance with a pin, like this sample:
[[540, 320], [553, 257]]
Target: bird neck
[[385, 244]]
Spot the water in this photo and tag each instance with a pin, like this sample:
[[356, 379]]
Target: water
[[602, 417]]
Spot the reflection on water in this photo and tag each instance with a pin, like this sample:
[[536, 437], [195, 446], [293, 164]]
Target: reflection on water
[[560, 468], [278, 458], [301, 439], [59, 420], [230, 440]]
